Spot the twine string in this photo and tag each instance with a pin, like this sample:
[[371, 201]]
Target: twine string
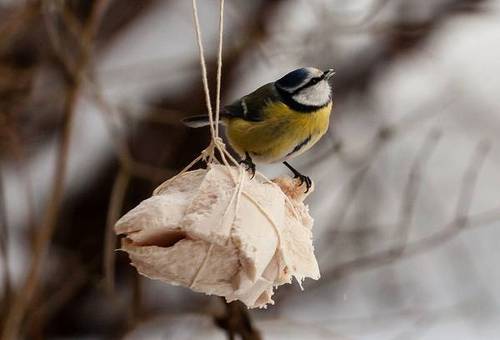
[[216, 142], [219, 68], [203, 65]]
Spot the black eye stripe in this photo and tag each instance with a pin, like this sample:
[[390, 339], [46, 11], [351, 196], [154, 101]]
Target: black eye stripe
[[311, 82]]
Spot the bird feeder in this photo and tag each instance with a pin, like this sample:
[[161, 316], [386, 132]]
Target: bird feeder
[[218, 231], [237, 240]]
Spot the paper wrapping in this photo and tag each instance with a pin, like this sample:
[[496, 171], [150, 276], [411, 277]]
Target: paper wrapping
[[237, 239]]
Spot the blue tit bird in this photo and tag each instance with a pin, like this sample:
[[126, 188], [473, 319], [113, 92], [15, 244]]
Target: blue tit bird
[[278, 121]]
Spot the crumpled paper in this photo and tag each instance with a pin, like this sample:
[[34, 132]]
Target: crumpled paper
[[238, 240]]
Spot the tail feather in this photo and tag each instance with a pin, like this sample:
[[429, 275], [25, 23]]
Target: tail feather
[[196, 121]]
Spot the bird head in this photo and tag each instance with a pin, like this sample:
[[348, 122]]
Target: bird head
[[307, 86]]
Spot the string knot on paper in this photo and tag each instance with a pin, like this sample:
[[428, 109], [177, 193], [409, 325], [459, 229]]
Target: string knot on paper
[[208, 154]]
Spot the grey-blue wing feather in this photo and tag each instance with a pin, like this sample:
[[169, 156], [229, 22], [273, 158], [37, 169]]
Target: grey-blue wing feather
[[250, 107]]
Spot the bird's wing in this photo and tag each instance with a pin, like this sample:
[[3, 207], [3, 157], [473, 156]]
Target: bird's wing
[[250, 106]]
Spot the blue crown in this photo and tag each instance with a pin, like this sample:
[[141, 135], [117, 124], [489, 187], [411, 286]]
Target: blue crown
[[293, 79]]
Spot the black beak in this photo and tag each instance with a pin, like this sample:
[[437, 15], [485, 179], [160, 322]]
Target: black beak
[[328, 73]]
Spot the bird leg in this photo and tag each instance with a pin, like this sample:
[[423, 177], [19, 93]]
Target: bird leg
[[249, 164], [303, 178]]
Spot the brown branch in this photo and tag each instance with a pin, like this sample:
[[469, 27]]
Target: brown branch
[[111, 118], [382, 138], [325, 14], [469, 181], [76, 279], [353, 186], [389, 132], [114, 211], [237, 321], [135, 308], [17, 21], [110, 112], [4, 250], [388, 256], [18, 150], [447, 233], [411, 190], [46, 230]]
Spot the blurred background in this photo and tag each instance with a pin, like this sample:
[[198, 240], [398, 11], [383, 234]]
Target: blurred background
[[406, 206]]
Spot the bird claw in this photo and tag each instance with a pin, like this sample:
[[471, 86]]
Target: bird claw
[[304, 179]]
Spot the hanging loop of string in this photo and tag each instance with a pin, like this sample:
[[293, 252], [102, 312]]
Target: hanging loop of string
[[216, 142], [219, 69], [204, 69]]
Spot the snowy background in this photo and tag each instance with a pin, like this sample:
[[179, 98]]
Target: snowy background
[[407, 205]]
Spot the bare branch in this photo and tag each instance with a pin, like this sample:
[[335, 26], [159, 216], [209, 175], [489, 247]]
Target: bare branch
[[45, 232], [114, 211], [408, 202], [469, 181], [394, 253], [4, 251], [237, 321]]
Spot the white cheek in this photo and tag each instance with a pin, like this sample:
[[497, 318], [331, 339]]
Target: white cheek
[[316, 95]]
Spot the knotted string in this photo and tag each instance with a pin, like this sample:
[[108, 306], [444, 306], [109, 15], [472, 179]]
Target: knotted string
[[216, 142]]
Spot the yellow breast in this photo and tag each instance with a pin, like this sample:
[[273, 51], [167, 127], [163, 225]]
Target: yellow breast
[[282, 134]]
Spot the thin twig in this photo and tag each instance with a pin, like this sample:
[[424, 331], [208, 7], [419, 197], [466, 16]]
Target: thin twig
[[72, 283], [111, 116], [353, 187], [112, 121], [384, 135], [461, 222], [135, 310], [46, 230], [237, 321], [389, 132], [411, 190], [324, 14], [469, 181], [18, 150], [114, 211], [388, 256], [16, 21], [4, 251]]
